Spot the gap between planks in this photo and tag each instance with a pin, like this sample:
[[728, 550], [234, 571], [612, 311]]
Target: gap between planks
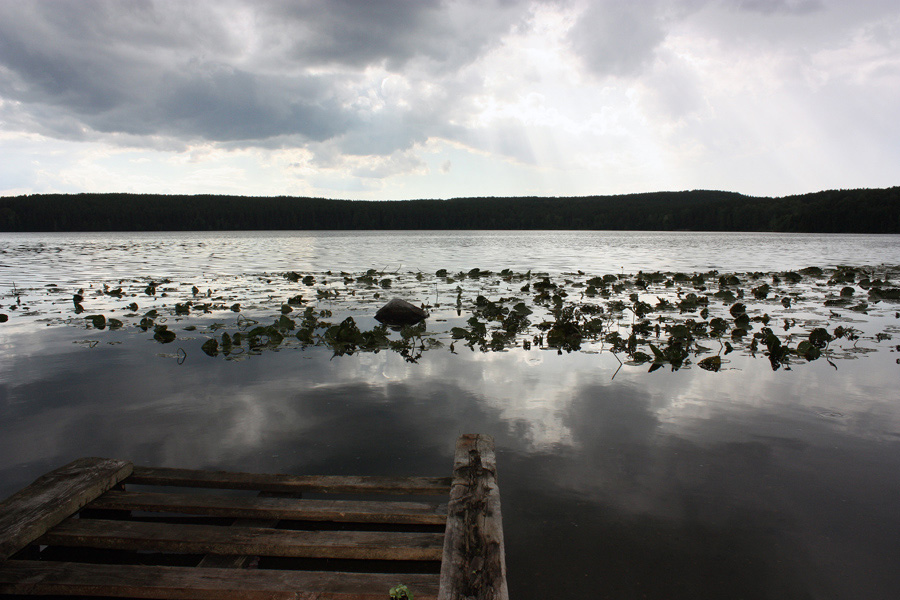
[[278, 508]]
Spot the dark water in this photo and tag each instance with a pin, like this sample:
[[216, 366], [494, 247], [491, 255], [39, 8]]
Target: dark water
[[615, 482]]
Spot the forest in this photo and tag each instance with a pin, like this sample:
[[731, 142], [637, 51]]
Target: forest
[[832, 211]]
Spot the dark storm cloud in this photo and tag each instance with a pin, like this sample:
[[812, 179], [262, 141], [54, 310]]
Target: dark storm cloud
[[230, 72], [360, 32], [91, 56], [226, 104], [781, 6]]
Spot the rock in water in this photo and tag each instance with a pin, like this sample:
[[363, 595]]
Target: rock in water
[[400, 312]]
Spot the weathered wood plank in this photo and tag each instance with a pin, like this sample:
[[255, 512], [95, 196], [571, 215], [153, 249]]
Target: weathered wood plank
[[237, 561], [135, 581], [27, 514], [243, 561], [345, 511], [202, 539], [474, 562], [334, 484]]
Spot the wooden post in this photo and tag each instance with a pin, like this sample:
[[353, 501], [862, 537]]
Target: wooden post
[[474, 564]]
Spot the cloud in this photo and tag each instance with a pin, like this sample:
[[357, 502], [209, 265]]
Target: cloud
[[233, 71], [360, 33], [780, 6], [617, 38], [90, 73], [567, 89]]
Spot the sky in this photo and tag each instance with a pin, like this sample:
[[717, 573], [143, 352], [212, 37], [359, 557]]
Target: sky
[[400, 99]]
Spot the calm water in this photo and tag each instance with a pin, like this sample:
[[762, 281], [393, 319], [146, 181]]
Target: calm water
[[616, 483], [54, 258]]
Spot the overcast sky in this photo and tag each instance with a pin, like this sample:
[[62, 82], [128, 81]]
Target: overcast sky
[[395, 99]]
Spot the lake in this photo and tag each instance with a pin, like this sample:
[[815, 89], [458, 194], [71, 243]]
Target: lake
[[668, 449]]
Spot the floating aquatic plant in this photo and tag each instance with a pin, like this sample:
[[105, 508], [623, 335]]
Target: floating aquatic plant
[[662, 319]]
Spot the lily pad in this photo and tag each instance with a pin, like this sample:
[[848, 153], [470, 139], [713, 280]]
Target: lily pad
[[819, 337], [98, 321], [712, 363], [163, 335], [210, 347]]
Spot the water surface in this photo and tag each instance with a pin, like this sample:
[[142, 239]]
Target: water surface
[[615, 482]]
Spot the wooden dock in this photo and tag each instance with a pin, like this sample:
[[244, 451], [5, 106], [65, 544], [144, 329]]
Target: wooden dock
[[102, 527]]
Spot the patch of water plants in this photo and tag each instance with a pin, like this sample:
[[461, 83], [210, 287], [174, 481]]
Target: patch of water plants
[[652, 320]]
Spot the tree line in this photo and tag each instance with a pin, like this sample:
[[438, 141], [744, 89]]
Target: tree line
[[832, 211]]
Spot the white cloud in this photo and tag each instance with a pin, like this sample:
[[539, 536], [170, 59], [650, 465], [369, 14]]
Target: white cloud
[[553, 97]]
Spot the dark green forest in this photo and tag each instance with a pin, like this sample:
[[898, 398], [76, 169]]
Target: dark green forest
[[833, 211]]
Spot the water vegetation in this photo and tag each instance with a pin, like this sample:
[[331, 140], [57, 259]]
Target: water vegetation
[[650, 320]]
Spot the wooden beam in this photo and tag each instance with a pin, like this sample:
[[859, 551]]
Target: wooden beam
[[474, 562], [138, 581], [328, 484], [29, 513], [255, 541], [243, 507]]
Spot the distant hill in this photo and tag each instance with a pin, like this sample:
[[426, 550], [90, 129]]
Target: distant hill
[[833, 211]]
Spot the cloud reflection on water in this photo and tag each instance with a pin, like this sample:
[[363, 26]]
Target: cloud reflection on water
[[668, 484]]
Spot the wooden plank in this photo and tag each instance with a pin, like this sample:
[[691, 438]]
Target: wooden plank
[[237, 561], [137, 581], [474, 562], [202, 539], [344, 511], [243, 561], [27, 514], [333, 484]]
